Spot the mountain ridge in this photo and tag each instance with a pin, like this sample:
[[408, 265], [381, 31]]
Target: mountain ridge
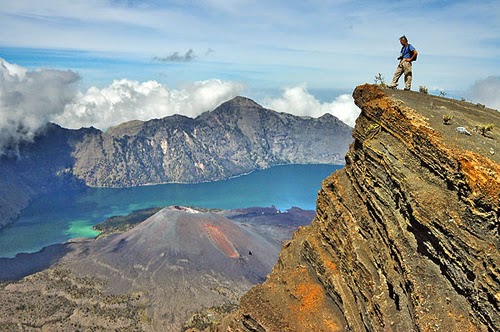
[[405, 237], [237, 137]]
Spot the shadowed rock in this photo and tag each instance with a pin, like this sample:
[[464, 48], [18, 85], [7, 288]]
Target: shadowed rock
[[25, 264]]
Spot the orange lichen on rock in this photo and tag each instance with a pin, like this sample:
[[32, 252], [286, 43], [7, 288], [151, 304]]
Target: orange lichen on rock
[[309, 296], [220, 241], [483, 176], [308, 302], [332, 267]]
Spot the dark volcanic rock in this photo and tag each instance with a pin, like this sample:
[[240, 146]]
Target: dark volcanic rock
[[184, 259], [406, 235], [173, 267]]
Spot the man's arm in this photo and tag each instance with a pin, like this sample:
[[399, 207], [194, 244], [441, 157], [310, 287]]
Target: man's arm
[[413, 56]]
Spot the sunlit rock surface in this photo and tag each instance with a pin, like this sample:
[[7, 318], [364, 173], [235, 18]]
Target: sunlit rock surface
[[406, 235]]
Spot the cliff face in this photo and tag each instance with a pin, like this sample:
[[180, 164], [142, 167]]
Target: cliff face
[[406, 236], [38, 167], [237, 137]]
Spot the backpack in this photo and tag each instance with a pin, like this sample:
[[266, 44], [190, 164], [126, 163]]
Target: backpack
[[411, 52]]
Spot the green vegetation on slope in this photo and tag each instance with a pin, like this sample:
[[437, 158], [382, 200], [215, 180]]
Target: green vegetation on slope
[[123, 223]]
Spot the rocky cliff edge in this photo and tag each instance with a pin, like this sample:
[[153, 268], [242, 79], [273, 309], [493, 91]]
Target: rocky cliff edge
[[406, 236]]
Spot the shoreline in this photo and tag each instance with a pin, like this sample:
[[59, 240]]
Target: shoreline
[[24, 264], [103, 233], [15, 235], [216, 180]]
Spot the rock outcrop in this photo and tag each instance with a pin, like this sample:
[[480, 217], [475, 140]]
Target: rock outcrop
[[406, 235]]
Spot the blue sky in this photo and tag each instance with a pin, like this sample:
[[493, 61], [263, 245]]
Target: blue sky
[[264, 49], [266, 44]]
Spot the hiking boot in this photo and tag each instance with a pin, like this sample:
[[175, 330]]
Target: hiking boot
[[407, 89], [392, 86]]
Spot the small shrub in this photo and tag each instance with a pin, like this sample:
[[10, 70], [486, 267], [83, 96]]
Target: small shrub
[[484, 129], [423, 89], [442, 94], [379, 79], [447, 119]]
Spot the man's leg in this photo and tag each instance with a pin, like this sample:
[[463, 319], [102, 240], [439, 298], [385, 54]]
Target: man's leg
[[397, 74], [408, 74]]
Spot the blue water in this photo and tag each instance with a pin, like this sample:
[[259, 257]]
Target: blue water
[[59, 217]]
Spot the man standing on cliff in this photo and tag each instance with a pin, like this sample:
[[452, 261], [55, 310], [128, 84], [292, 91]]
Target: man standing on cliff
[[407, 56]]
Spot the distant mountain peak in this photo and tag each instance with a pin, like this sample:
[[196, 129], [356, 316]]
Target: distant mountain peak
[[243, 102], [238, 137], [237, 104]]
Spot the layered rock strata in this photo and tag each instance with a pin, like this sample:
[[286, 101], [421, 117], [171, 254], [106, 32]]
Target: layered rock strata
[[406, 236]]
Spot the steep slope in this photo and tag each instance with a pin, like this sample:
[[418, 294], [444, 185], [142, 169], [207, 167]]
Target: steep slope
[[406, 236], [237, 137], [184, 259], [38, 167]]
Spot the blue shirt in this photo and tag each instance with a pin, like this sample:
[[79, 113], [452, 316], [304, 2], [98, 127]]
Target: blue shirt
[[406, 51]]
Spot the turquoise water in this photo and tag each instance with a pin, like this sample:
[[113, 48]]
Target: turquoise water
[[59, 217]]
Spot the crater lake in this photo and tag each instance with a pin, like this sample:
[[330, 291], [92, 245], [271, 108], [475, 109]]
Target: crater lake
[[58, 217]]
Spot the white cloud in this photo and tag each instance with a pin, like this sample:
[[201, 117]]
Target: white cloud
[[487, 92], [29, 99], [126, 100], [298, 101], [11, 71]]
